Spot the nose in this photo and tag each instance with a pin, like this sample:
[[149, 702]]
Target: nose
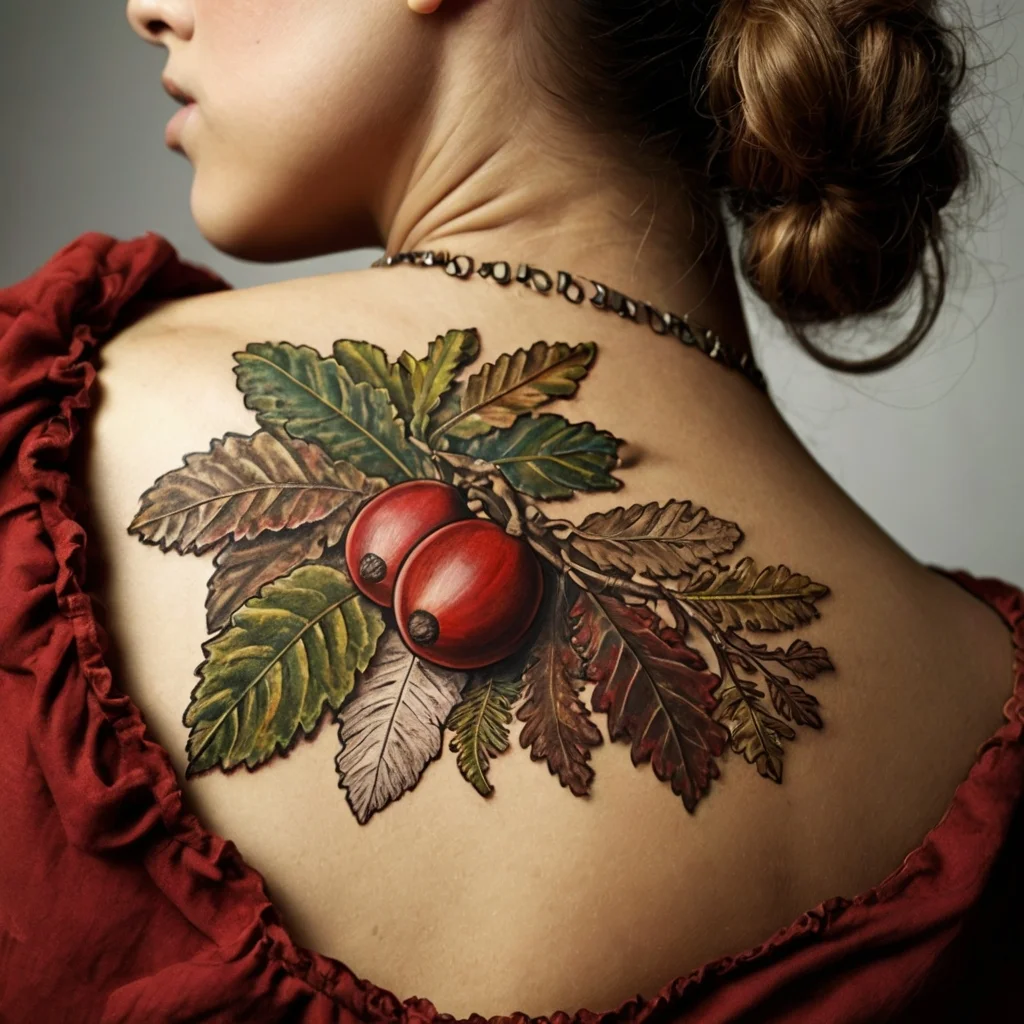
[[154, 20]]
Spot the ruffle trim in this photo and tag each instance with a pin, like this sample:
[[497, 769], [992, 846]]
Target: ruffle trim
[[90, 284]]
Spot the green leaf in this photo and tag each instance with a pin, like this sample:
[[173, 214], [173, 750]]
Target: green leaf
[[369, 364], [289, 651], [480, 722], [516, 383], [433, 377], [243, 568], [548, 457], [312, 398]]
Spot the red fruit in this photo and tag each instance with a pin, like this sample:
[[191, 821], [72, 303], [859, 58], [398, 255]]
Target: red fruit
[[390, 525], [468, 594]]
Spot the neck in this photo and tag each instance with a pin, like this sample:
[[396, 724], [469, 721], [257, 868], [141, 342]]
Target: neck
[[511, 194]]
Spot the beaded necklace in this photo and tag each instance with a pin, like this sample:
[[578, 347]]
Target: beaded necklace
[[574, 290]]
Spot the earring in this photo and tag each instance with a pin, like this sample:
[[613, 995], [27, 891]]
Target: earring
[[424, 6]]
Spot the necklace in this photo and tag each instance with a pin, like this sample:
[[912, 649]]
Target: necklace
[[574, 290]]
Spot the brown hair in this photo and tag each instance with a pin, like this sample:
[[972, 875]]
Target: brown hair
[[825, 124]]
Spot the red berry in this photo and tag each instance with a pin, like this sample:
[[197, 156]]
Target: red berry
[[468, 594], [390, 525]]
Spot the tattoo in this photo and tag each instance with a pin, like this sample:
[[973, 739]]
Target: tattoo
[[380, 552]]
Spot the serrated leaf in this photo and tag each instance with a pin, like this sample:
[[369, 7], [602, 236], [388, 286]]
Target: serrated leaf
[[660, 541], [754, 731], [243, 487], [514, 384], [558, 728], [772, 600], [369, 364], [548, 457], [480, 722], [289, 652], [241, 569], [294, 388], [803, 660], [392, 726], [656, 690], [433, 377], [793, 702]]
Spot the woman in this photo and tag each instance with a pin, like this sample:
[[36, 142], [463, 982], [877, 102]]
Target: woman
[[449, 509]]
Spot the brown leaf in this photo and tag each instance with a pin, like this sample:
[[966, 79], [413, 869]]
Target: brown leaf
[[667, 540], [754, 731], [803, 660], [773, 599], [558, 726], [793, 702], [657, 691], [242, 568], [243, 487]]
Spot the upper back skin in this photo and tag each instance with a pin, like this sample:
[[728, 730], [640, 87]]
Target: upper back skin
[[534, 899]]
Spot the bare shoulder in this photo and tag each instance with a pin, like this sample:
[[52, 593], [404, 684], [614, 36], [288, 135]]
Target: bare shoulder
[[298, 306]]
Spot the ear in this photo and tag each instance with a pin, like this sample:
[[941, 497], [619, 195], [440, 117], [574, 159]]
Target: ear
[[424, 6]]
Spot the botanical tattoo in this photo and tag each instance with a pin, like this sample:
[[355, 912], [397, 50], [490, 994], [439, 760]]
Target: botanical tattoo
[[380, 555]]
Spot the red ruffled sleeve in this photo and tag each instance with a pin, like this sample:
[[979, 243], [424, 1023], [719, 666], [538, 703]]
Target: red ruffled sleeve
[[117, 905]]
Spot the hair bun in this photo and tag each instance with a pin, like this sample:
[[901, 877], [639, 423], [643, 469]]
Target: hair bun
[[835, 149]]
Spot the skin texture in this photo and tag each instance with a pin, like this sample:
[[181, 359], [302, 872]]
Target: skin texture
[[324, 124]]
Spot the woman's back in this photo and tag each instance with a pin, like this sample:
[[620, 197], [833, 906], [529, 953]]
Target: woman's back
[[536, 898]]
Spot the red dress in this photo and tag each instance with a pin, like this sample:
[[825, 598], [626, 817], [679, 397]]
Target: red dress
[[117, 905]]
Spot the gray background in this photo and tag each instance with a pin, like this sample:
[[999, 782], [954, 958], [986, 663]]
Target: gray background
[[932, 449]]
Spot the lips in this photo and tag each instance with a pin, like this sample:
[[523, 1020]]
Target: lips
[[176, 125], [176, 92]]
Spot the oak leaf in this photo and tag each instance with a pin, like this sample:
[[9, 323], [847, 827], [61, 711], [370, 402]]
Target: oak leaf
[[289, 652], [656, 540], [754, 731], [369, 364], [793, 702], [657, 691], [803, 660], [514, 384], [433, 377], [558, 728], [245, 486], [773, 599], [242, 568], [392, 726], [295, 388], [548, 457]]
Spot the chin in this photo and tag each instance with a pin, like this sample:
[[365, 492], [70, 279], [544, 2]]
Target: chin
[[277, 232]]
